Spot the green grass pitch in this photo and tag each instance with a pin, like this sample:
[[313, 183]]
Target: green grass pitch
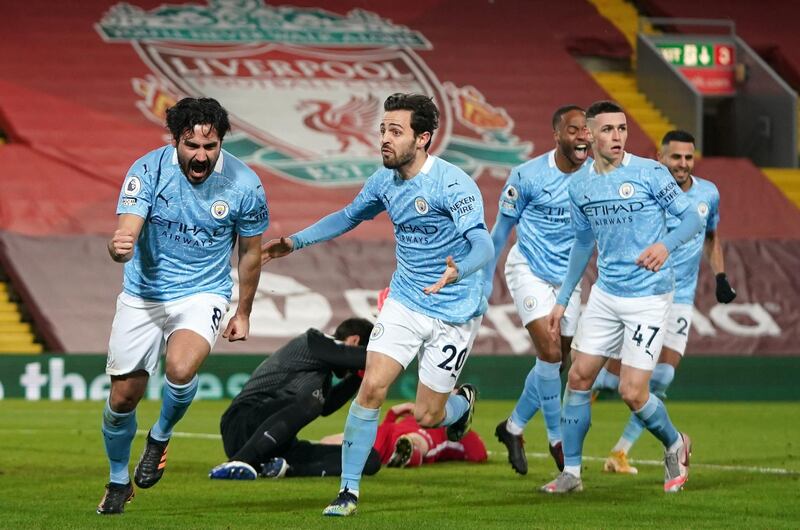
[[745, 473]]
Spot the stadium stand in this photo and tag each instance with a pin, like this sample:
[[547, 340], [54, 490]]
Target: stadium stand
[[16, 336], [77, 119], [622, 87], [763, 26]]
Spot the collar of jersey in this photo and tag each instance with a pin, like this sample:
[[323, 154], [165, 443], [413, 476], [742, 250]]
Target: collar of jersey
[[217, 167], [424, 170], [426, 167], [626, 159]]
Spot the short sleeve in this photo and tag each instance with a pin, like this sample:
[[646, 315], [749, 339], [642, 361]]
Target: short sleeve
[[136, 195], [580, 221], [254, 216], [464, 202], [713, 210], [513, 199], [666, 191]]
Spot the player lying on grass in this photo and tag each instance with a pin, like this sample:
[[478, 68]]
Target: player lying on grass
[[400, 442]]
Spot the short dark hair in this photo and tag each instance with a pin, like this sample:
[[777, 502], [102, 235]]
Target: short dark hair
[[354, 326], [560, 111], [677, 135], [424, 114], [602, 107], [188, 112]]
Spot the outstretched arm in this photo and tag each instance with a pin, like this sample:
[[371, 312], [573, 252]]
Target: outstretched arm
[[329, 227]]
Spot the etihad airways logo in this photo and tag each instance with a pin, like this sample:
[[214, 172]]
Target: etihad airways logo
[[197, 236], [614, 208]]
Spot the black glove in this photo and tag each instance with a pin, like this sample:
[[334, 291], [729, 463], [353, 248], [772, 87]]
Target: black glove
[[725, 293]]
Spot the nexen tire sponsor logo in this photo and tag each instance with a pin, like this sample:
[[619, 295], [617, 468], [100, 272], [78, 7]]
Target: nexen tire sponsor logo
[[463, 206]]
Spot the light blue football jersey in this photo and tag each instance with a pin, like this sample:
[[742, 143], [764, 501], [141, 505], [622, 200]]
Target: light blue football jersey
[[536, 197], [430, 213], [625, 209], [685, 260], [189, 231]]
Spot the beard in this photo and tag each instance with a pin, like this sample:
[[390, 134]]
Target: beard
[[195, 171], [397, 160], [682, 177]]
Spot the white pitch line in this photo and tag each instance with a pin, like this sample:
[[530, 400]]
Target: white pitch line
[[194, 435], [718, 467]]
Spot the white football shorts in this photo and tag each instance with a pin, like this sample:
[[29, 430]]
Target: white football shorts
[[534, 297], [679, 323], [631, 329], [442, 347], [142, 328]]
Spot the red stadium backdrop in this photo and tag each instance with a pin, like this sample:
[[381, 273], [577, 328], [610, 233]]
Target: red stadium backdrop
[[84, 87]]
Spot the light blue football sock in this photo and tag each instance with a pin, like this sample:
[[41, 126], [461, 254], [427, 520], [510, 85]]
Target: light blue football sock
[[454, 408], [576, 417], [360, 431], [175, 401], [605, 380], [548, 384], [633, 429], [656, 420], [528, 402], [119, 428], [662, 377]]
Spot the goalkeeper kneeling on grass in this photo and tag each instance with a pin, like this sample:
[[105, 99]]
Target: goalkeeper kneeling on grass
[[285, 393]]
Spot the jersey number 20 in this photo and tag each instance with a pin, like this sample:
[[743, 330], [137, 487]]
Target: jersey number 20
[[450, 350]]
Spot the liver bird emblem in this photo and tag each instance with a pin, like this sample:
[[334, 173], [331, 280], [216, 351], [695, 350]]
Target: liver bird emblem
[[354, 121]]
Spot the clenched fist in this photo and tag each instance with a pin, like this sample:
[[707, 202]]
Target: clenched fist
[[121, 245]]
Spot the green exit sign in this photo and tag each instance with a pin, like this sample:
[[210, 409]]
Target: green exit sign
[[688, 54]]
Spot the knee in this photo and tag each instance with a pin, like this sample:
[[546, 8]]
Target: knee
[[551, 354], [372, 394], [123, 403], [633, 396], [578, 380], [180, 373]]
